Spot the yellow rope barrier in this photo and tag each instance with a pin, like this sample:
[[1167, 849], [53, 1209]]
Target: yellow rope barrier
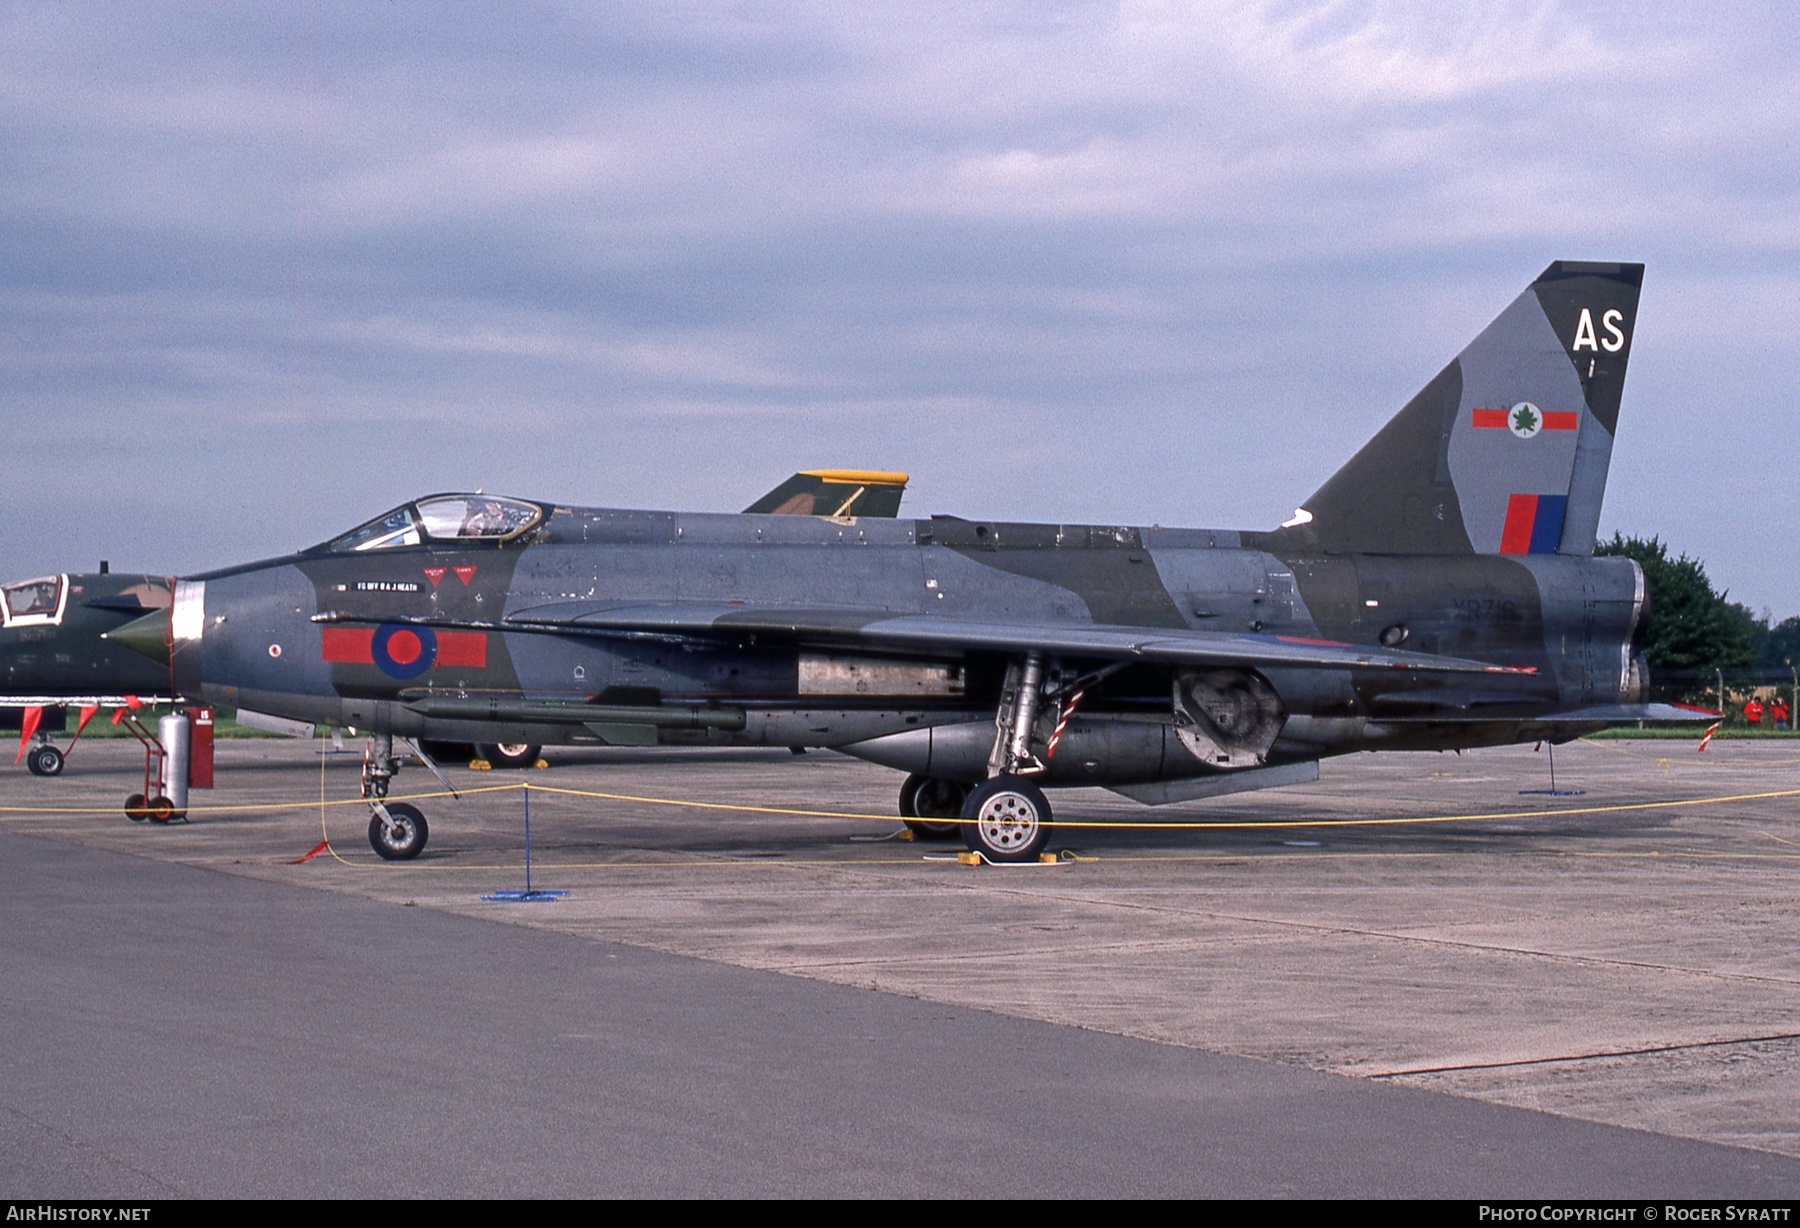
[[325, 836], [1282, 824], [1266, 825], [249, 807], [797, 812]]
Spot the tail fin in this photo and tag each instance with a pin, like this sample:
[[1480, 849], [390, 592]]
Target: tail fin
[[836, 492], [1506, 451]]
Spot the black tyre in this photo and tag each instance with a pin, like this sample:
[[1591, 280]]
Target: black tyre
[[924, 798], [408, 838], [508, 754], [446, 753], [1009, 819], [44, 761], [137, 807], [161, 810]]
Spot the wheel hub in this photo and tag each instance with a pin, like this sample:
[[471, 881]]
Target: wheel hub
[[1007, 821], [939, 799]]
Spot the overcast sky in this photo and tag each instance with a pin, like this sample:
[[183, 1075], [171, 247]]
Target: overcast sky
[[268, 270]]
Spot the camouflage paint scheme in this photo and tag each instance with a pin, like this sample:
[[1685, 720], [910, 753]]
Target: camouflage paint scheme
[[63, 656], [69, 655], [1438, 591]]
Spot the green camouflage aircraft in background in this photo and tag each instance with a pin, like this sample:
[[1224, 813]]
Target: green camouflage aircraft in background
[[54, 655]]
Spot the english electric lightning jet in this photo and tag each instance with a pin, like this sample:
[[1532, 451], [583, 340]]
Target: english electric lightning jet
[[1439, 591]]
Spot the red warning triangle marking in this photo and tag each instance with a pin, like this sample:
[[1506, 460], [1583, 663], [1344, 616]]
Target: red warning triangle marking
[[435, 575], [465, 574]]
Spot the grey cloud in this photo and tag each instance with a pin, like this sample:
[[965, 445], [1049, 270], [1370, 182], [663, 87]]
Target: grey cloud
[[1160, 262]]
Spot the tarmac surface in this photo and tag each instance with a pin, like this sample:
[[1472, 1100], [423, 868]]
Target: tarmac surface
[[1333, 994]]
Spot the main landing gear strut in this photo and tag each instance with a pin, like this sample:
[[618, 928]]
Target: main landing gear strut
[[1006, 817], [397, 831]]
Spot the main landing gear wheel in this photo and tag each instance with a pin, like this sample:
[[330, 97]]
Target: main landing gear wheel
[[405, 838], [924, 798], [44, 761], [1010, 819], [448, 752], [509, 754]]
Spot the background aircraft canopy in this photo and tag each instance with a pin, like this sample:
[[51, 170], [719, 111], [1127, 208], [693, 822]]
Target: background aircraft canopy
[[34, 601]]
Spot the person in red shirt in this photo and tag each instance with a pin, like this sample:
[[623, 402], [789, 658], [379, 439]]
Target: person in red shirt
[[1778, 711], [1753, 712]]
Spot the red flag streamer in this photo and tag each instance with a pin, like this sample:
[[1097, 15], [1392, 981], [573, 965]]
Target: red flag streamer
[[28, 725], [1062, 722], [320, 847]]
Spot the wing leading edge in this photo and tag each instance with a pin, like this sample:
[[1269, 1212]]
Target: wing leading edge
[[837, 626]]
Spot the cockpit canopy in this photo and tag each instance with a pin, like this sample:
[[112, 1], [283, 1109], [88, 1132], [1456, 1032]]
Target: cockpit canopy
[[34, 602], [442, 518]]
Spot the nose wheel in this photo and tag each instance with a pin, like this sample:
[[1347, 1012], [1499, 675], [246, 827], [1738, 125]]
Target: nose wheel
[[397, 831]]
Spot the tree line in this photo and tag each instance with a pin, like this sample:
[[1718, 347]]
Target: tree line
[[1695, 633]]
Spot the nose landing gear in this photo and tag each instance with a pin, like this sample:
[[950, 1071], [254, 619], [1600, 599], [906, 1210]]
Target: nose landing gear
[[397, 831], [44, 760]]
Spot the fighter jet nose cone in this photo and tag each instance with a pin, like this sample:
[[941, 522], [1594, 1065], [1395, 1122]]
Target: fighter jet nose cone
[[147, 636]]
